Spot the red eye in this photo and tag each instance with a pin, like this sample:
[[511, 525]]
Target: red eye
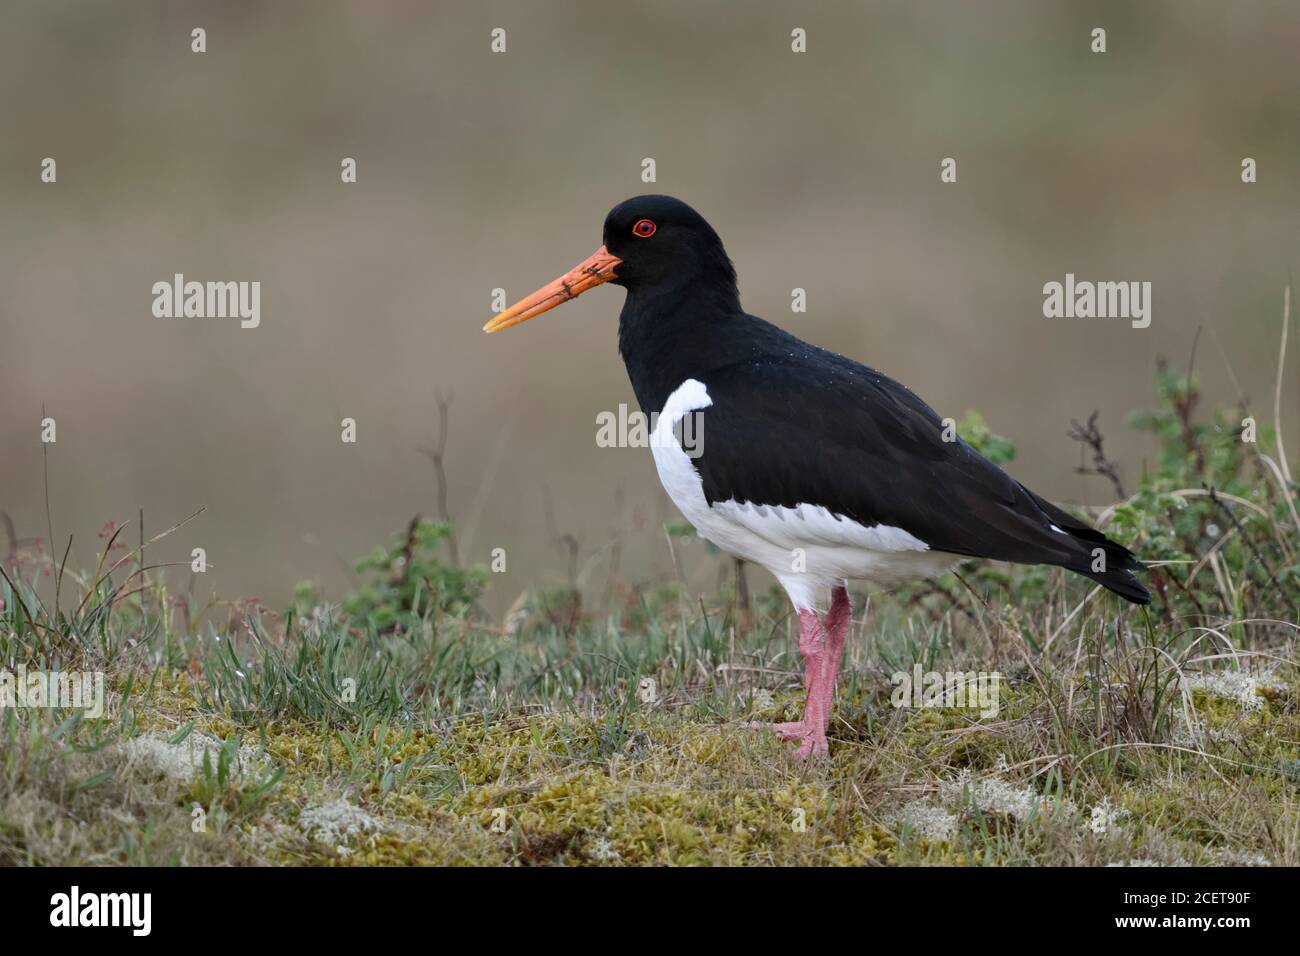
[[644, 228]]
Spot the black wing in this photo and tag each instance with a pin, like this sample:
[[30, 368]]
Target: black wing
[[826, 430]]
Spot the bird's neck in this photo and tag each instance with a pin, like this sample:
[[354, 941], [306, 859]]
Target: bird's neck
[[675, 333]]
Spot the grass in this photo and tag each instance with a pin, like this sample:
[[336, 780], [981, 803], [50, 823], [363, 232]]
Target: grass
[[402, 726]]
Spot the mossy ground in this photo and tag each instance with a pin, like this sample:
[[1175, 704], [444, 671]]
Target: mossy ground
[[661, 783]]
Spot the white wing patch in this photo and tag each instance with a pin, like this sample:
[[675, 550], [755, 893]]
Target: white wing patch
[[690, 396]]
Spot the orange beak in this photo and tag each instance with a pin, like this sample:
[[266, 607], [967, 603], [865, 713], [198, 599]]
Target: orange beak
[[596, 270]]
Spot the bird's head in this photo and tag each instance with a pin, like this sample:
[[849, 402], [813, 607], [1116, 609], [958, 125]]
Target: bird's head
[[651, 242]]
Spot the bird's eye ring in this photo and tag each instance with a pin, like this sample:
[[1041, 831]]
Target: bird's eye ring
[[645, 228]]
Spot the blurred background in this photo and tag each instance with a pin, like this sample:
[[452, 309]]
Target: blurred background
[[479, 170]]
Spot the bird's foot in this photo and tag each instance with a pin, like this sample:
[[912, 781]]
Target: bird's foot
[[812, 739], [814, 745], [793, 730]]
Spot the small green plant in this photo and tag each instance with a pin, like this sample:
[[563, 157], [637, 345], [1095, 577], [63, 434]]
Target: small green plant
[[404, 580], [230, 786], [975, 432], [1215, 514]]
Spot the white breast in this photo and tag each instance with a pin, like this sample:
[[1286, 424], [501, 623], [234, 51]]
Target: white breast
[[807, 548]]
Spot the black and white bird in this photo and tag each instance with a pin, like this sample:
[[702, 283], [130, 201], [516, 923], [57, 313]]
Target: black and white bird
[[816, 467]]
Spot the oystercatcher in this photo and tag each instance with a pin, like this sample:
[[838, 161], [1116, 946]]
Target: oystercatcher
[[818, 468]]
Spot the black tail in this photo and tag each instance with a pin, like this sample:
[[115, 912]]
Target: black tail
[[1118, 561], [1120, 579]]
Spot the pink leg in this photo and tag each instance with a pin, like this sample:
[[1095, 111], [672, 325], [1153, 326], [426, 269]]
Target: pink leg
[[811, 731], [837, 622]]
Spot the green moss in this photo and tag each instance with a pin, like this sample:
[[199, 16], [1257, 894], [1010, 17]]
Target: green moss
[[622, 785]]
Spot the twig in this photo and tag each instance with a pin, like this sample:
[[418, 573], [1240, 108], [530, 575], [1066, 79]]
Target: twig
[[435, 454], [402, 571], [1277, 391], [746, 616], [45, 469], [144, 626], [1090, 436]]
